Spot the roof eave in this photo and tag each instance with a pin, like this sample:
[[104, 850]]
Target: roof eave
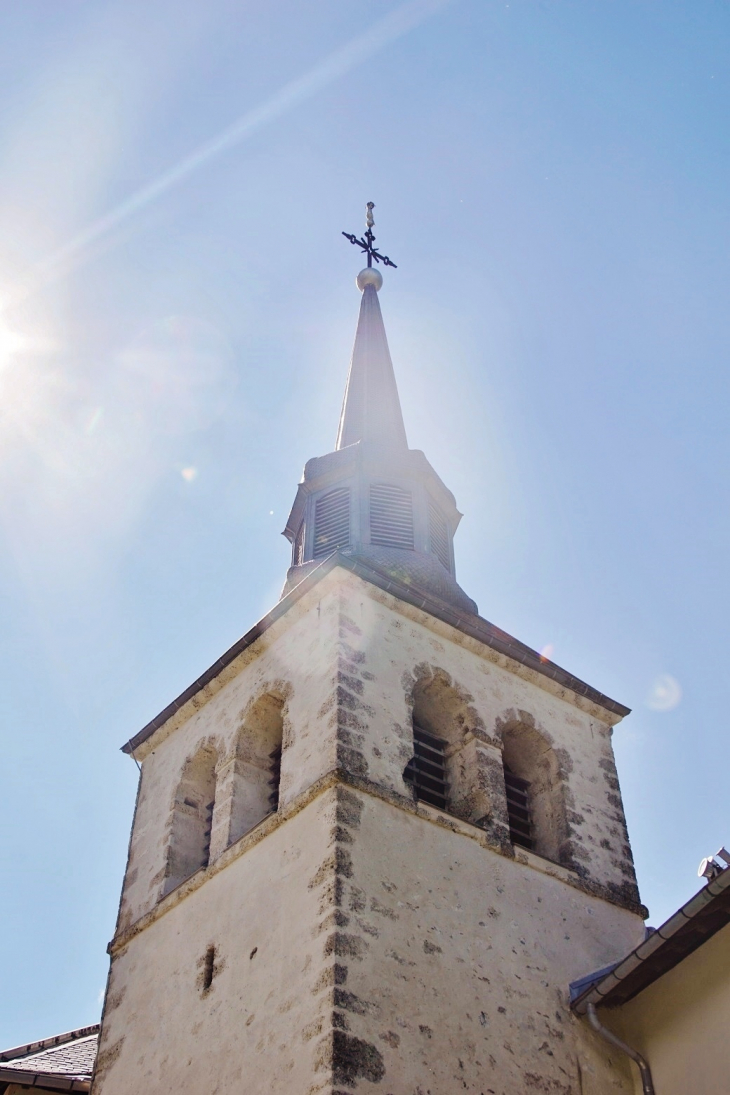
[[652, 957], [44, 1081]]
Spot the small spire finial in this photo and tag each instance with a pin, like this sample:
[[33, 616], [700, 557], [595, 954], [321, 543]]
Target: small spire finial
[[365, 243]]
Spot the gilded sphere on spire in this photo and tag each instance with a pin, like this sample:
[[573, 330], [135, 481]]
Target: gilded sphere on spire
[[369, 276]]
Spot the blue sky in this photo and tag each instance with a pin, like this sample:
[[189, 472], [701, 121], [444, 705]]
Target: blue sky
[[552, 180]]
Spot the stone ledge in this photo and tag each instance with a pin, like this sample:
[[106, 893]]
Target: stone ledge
[[420, 809]]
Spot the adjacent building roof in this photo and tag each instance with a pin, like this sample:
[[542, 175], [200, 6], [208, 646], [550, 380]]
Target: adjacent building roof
[[64, 1062], [468, 624], [691, 926]]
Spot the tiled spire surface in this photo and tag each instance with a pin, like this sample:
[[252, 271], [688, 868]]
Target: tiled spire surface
[[371, 410]]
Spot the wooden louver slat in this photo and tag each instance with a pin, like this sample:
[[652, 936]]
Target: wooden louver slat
[[438, 534], [391, 516], [207, 832], [331, 522], [426, 771], [274, 778], [518, 809]]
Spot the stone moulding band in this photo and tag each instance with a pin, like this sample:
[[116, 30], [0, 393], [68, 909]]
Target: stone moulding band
[[340, 776]]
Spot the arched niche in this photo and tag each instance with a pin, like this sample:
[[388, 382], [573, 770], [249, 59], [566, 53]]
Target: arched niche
[[192, 818], [448, 733], [537, 787], [256, 770]]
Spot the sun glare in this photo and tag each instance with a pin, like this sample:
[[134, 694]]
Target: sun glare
[[13, 342], [25, 386], [10, 342]]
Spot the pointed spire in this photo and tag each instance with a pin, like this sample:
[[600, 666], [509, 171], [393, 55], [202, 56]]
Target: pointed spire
[[374, 499], [371, 409]]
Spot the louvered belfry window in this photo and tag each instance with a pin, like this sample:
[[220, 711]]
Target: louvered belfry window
[[274, 778], [518, 809], [426, 771], [207, 832], [331, 522], [391, 516], [438, 534]]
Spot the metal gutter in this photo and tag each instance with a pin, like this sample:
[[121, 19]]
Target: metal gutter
[[44, 1081], [474, 626], [647, 1084], [612, 989]]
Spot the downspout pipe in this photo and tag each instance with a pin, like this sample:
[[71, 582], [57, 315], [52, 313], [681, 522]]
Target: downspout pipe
[[647, 1084]]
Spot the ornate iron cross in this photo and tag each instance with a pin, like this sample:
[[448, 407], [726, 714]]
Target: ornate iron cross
[[366, 242]]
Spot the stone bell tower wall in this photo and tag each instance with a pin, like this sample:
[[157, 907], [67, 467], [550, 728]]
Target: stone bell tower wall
[[293, 660], [345, 663], [455, 963], [255, 1024], [359, 946], [356, 933], [388, 650]]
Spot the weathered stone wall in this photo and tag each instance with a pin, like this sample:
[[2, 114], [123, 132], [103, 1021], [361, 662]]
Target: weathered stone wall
[[255, 1030], [386, 650], [361, 945], [455, 964]]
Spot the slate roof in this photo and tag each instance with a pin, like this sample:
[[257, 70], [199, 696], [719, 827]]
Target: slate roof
[[64, 1062]]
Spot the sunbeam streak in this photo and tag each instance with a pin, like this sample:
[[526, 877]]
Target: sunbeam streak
[[358, 50]]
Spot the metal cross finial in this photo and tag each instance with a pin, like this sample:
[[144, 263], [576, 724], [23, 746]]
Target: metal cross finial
[[366, 242]]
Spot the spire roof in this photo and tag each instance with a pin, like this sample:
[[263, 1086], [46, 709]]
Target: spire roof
[[373, 498], [371, 410]]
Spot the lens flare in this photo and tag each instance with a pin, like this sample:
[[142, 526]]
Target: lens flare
[[665, 693], [94, 419]]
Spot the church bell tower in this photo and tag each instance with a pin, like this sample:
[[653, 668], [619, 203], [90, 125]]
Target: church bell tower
[[377, 839]]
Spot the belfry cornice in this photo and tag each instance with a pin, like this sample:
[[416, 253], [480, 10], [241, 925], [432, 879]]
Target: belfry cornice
[[513, 655]]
